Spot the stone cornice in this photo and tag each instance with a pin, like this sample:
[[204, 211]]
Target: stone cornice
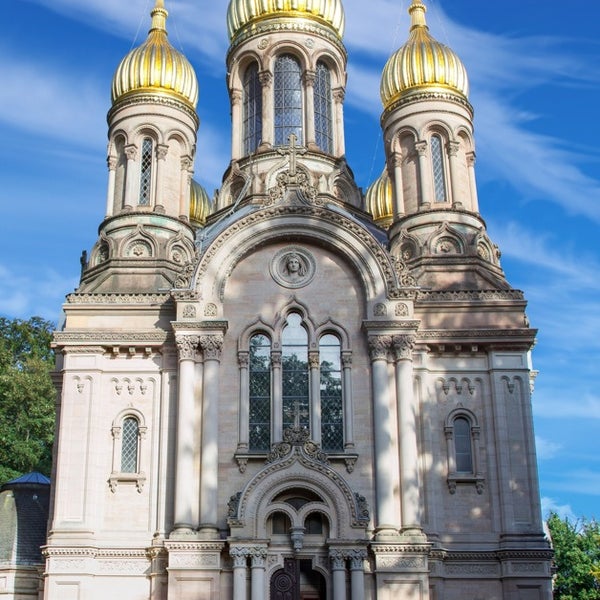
[[189, 326], [86, 298], [469, 296], [111, 338], [137, 98]]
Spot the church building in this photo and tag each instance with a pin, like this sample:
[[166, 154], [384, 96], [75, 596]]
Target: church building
[[294, 390]]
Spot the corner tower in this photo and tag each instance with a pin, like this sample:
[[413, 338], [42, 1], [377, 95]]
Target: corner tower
[[286, 75], [146, 236], [427, 124]]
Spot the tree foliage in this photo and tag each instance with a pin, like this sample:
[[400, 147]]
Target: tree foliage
[[26, 397], [577, 558]]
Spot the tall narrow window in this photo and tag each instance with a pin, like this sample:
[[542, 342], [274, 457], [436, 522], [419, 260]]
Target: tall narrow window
[[332, 410], [129, 445], [294, 371], [462, 445], [252, 109], [287, 101], [146, 172], [322, 100], [439, 175], [260, 393]]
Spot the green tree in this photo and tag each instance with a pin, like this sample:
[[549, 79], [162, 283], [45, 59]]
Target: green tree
[[26, 397], [577, 558]]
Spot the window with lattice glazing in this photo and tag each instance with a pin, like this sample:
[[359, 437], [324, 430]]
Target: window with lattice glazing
[[463, 449], [260, 393], [252, 125], [287, 100], [439, 175], [294, 372], [322, 102], [129, 445], [146, 172], [332, 408]]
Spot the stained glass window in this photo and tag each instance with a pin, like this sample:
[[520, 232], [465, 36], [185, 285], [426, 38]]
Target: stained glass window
[[252, 109], [322, 100], [146, 172], [260, 393], [129, 445], [439, 176], [462, 445], [287, 101], [294, 370], [332, 410]]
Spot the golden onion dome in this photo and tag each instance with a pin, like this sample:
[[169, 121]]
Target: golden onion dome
[[378, 200], [244, 15], [156, 67], [422, 63], [200, 205]]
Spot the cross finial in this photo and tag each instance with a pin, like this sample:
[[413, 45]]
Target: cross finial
[[292, 151]]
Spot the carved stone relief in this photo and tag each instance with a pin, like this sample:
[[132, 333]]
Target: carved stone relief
[[293, 267]]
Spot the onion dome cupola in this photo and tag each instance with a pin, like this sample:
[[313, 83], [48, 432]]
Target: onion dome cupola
[[156, 67], [200, 204], [246, 17], [379, 198], [422, 63]]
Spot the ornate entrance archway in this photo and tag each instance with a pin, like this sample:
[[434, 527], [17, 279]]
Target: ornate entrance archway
[[297, 581]]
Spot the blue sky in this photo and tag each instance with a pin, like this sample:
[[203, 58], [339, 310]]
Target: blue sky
[[534, 69]]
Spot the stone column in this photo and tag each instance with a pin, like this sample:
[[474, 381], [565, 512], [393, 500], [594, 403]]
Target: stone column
[[161, 161], [410, 493], [347, 399], [357, 574], [259, 561], [212, 346], [338, 122], [131, 177], [315, 394], [396, 164], [266, 80], [310, 140], [244, 406], [112, 162], [240, 561], [452, 149], [386, 442], [472, 182], [186, 180], [425, 174], [277, 416], [237, 119], [338, 568], [184, 475]]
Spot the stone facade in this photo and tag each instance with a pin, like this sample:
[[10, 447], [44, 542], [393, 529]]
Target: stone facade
[[400, 464]]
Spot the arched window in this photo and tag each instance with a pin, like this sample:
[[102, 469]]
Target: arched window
[[463, 448], [462, 436], [439, 174], [322, 101], [287, 100], [332, 409], [294, 373], [260, 393], [252, 109], [130, 445], [146, 172]]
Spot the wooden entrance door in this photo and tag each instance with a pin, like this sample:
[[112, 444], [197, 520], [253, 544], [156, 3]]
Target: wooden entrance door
[[297, 581]]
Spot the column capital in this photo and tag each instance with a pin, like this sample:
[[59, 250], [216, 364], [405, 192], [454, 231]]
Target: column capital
[[309, 77], [212, 346], [338, 559], [265, 78], [313, 359], [186, 163], [131, 151], [396, 159], [421, 147], [258, 554], [236, 97], [276, 358], [452, 148], [112, 162], [403, 346], [346, 358], [187, 345], [162, 151], [357, 558], [243, 358], [239, 555], [339, 94], [471, 159], [379, 346]]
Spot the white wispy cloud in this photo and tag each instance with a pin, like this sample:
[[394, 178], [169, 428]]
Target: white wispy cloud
[[33, 291], [546, 449], [564, 511], [574, 407]]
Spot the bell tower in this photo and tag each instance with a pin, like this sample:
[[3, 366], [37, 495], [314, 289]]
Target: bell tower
[[146, 236]]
